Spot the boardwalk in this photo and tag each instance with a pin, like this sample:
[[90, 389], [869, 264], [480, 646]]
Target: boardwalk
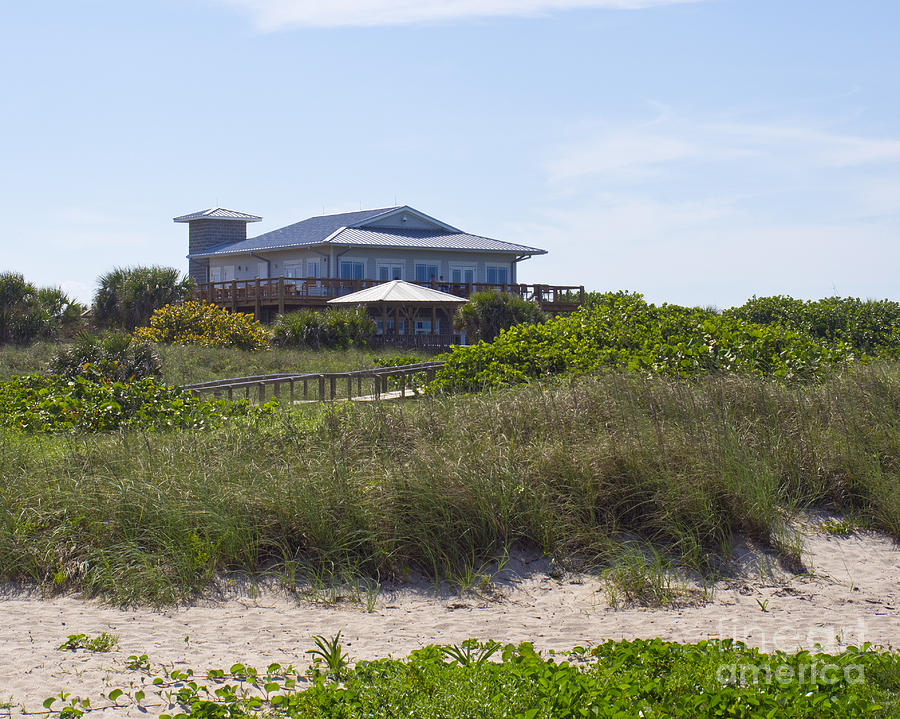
[[366, 385]]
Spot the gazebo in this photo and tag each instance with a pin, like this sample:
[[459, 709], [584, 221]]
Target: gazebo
[[403, 308]]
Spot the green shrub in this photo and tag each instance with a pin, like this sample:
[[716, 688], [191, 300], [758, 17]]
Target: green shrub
[[116, 355], [195, 323], [487, 314], [622, 330], [29, 313], [397, 361], [871, 326], [128, 296], [89, 402], [648, 678], [332, 328]]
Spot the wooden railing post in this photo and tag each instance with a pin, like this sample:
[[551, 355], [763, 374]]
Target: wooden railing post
[[234, 295], [321, 388], [281, 295]]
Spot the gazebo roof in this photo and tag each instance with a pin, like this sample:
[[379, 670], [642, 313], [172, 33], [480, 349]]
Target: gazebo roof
[[398, 292]]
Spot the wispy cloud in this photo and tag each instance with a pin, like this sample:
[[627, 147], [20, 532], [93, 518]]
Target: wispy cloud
[[631, 155], [697, 210], [278, 14], [651, 149]]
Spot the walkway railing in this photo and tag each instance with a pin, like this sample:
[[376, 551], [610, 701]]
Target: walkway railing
[[321, 386]]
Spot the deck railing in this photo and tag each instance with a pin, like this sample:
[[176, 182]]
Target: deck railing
[[294, 291], [322, 386]]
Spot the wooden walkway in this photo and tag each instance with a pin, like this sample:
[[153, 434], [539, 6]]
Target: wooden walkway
[[367, 385]]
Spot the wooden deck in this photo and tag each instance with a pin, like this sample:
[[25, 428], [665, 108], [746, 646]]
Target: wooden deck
[[265, 298]]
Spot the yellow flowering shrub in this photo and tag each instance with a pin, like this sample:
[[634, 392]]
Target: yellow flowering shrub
[[196, 323]]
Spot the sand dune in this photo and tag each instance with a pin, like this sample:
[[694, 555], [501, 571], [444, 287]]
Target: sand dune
[[851, 595]]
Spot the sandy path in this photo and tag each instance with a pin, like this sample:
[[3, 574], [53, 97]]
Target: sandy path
[[852, 595]]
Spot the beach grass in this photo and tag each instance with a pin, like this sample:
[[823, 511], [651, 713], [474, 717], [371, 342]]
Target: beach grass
[[591, 471], [186, 364]]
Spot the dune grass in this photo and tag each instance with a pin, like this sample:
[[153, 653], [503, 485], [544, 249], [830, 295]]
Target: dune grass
[[587, 470], [187, 364]]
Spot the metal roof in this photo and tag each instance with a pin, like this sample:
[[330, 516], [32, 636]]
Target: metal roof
[[348, 229], [218, 213], [398, 291], [312, 231], [423, 239]]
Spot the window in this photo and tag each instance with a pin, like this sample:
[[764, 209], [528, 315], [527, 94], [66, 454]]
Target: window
[[389, 271], [461, 273], [292, 269], [426, 273], [351, 270], [314, 270], [262, 269], [497, 274], [380, 329]]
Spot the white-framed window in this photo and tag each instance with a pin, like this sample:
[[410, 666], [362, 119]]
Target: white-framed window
[[314, 268], [385, 271], [423, 327], [462, 273], [427, 271], [221, 273], [351, 269], [293, 269], [497, 274], [262, 270]]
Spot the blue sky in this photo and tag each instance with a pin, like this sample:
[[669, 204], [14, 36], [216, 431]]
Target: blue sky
[[700, 152]]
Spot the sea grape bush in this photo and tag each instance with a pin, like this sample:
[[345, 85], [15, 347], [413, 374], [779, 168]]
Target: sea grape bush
[[196, 323], [869, 326], [90, 402], [621, 330]]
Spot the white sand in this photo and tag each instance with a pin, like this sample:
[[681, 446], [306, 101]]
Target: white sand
[[851, 595]]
